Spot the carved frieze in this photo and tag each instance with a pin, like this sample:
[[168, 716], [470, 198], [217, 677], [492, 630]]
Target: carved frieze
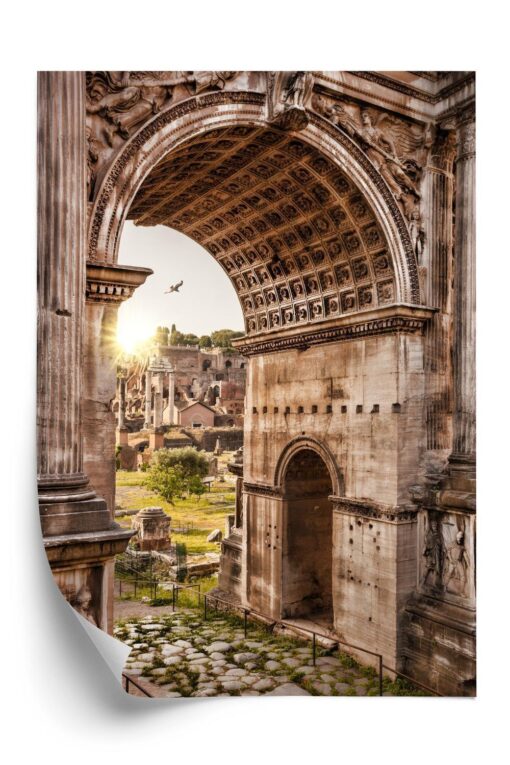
[[397, 148], [447, 555], [119, 103]]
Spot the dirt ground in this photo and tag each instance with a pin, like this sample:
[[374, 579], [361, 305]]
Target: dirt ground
[[127, 609]]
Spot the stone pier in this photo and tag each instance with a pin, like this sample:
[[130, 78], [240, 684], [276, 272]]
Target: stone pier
[[79, 535]]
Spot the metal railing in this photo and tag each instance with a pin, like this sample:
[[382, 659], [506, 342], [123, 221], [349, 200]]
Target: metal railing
[[247, 612], [130, 681], [210, 602]]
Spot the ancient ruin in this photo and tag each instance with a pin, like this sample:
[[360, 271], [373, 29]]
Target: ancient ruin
[[341, 205]]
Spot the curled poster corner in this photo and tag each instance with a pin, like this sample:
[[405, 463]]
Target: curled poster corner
[[113, 651], [347, 234]]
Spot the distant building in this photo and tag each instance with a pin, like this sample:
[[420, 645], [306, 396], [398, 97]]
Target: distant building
[[196, 415]]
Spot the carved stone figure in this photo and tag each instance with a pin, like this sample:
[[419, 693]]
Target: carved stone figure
[[457, 559], [417, 233], [433, 554], [121, 105], [82, 602], [397, 150], [124, 100], [288, 95], [92, 159]]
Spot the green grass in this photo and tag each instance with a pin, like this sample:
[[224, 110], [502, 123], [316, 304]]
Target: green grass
[[206, 513]]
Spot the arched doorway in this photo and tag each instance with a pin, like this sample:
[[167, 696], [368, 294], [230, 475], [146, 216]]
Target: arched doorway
[[307, 543]]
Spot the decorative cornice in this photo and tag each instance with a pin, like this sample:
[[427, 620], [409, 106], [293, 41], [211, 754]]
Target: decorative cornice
[[113, 284], [400, 87], [387, 320], [261, 490], [377, 510], [409, 90]]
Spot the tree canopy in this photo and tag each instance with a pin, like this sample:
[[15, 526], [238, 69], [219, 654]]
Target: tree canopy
[[174, 471]]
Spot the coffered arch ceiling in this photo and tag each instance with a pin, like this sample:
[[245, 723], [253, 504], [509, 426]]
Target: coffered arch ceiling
[[296, 236]]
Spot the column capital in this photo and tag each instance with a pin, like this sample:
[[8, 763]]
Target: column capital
[[113, 284]]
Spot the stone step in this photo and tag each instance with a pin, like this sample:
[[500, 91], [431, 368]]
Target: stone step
[[301, 628]]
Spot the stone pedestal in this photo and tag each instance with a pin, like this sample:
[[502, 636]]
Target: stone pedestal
[[152, 527], [157, 439], [122, 436]]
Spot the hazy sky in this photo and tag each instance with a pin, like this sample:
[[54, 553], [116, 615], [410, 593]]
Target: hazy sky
[[206, 301]]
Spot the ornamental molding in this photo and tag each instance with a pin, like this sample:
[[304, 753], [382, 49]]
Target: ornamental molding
[[409, 90], [113, 284], [261, 490], [378, 511], [388, 320]]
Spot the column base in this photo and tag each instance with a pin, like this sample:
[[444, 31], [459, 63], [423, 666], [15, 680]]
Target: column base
[[74, 517]]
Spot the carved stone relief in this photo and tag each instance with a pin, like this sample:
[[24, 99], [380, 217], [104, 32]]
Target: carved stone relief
[[118, 103], [397, 148], [288, 94], [82, 588], [447, 555]]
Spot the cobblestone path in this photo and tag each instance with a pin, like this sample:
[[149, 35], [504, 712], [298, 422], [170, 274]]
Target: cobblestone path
[[184, 655]]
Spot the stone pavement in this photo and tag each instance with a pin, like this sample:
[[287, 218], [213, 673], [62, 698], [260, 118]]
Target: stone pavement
[[183, 655]]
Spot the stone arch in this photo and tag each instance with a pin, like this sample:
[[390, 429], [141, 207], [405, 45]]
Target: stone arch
[[301, 443], [348, 251], [307, 533]]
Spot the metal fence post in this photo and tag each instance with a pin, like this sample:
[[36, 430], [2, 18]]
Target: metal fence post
[[380, 675], [313, 648], [205, 607], [245, 623]]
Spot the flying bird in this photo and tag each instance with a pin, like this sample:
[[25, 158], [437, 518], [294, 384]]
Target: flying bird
[[174, 287]]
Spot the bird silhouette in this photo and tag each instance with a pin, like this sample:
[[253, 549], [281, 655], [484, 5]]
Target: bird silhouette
[[174, 287]]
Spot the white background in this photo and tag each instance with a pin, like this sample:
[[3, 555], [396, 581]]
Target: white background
[[61, 702]]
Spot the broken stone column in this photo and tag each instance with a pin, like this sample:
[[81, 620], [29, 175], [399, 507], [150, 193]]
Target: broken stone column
[[122, 402], [148, 398], [169, 412], [158, 405]]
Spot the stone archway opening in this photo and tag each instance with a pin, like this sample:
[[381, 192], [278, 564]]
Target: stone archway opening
[[298, 239], [307, 539]]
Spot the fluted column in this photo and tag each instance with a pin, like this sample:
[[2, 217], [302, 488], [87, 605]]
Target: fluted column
[[68, 505], [122, 402], [171, 397], [61, 280], [148, 398], [435, 263], [464, 377], [158, 401]]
